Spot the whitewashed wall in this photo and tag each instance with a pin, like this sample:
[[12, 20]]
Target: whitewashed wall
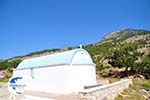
[[58, 79]]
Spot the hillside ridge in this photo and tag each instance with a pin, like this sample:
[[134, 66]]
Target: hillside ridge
[[123, 35]]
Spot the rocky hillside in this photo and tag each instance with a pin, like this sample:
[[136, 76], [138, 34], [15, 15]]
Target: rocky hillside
[[113, 38], [116, 49], [123, 53], [117, 39], [40, 53], [127, 36]]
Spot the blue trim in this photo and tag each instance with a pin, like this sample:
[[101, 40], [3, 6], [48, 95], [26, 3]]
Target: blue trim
[[32, 73], [54, 66]]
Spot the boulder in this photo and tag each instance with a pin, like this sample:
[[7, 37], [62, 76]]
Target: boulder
[[145, 94], [2, 74]]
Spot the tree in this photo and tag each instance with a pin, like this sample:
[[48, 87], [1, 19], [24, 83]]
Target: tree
[[127, 57], [124, 56], [9, 64]]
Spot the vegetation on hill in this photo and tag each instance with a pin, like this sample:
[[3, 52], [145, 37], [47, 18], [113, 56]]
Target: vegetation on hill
[[127, 49], [8, 65], [132, 56], [137, 91]]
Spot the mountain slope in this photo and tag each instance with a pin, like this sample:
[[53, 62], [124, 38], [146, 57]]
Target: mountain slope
[[105, 45], [127, 35], [140, 37], [128, 48]]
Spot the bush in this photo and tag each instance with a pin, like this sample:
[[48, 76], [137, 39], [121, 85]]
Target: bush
[[8, 65]]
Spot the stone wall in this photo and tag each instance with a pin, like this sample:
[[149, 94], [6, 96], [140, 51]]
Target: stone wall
[[105, 92]]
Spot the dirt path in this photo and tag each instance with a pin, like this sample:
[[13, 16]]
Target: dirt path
[[4, 94], [32, 95]]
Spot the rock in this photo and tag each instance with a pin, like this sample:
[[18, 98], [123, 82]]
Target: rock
[[141, 76], [145, 94], [143, 91], [123, 95], [2, 75], [131, 77], [1, 95], [103, 81], [149, 91]]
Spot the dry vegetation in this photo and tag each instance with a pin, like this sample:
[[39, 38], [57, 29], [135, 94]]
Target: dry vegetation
[[137, 91]]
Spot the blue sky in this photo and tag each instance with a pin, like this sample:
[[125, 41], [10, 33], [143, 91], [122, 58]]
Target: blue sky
[[33, 25]]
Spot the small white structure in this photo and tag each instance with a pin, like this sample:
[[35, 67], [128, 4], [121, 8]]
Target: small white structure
[[64, 72]]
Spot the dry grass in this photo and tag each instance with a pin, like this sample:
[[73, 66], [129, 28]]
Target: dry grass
[[133, 92]]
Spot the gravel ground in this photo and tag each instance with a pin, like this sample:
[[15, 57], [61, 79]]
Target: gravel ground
[[30, 95], [4, 93]]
